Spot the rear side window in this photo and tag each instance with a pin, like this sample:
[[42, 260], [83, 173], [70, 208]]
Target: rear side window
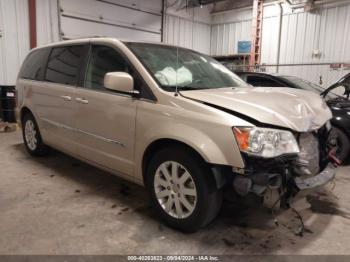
[[64, 63], [33, 67]]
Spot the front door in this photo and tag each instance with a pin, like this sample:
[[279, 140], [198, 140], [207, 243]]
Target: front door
[[105, 119]]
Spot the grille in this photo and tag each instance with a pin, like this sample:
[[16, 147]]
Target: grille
[[308, 160]]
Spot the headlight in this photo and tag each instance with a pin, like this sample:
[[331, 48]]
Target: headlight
[[265, 142]]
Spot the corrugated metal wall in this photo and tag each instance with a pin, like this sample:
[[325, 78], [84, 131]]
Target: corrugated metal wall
[[327, 30], [227, 29], [187, 33], [47, 21], [14, 33], [188, 27], [14, 38], [225, 37]]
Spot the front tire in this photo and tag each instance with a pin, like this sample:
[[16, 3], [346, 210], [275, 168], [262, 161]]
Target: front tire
[[340, 141], [182, 189], [32, 137]]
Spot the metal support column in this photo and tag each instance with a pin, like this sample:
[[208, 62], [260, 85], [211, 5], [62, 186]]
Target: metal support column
[[255, 52]]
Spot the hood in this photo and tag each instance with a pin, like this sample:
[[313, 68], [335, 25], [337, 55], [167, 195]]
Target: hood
[[291, 108]]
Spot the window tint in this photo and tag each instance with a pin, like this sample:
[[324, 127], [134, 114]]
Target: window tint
[[262, 81], [244, 77], [346, 79], [34, 66], [64, 64], [103, 60]]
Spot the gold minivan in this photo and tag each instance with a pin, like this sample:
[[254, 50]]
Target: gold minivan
[[175, 121]]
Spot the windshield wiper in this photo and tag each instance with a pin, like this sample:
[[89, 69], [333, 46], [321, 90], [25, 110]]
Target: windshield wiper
[[180, 88], [191, 88]]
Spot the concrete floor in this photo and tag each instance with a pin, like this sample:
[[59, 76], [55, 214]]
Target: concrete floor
[[58, 205]]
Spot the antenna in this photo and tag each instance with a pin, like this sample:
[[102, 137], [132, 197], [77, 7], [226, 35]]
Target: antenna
[[177, 65]]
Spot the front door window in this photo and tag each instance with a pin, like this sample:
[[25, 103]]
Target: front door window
[[103, 60]]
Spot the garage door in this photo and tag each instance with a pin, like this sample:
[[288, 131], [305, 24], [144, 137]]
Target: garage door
[[134, 20]]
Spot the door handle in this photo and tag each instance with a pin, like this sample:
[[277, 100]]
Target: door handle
[[81, 100], [67, 98]]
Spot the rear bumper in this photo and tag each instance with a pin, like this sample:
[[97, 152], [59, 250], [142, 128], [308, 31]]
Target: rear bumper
[[316, 181]]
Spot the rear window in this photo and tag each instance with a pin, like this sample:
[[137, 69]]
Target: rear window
[[33, 67], [64, 64]]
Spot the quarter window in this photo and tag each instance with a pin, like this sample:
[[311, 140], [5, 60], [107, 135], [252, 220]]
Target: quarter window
[[34, 66], [64, 64]]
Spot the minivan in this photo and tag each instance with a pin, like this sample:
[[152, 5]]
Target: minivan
[[175, 121]]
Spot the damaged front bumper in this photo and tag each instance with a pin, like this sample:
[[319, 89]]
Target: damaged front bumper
[[279, 185], [316, 181]]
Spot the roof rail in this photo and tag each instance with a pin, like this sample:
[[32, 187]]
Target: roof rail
[[83, 37]]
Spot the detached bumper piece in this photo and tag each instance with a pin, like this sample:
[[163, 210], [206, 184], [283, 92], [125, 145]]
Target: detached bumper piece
[[318, 180]]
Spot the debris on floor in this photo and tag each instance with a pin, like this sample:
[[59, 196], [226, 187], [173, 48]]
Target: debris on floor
[[7, 127], [124, 190]]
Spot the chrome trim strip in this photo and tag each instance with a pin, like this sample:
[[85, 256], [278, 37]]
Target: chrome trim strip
[[101, 138], [58, 124], [83, 132]]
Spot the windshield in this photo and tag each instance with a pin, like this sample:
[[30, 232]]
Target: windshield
[[306, 85], [182, 68]]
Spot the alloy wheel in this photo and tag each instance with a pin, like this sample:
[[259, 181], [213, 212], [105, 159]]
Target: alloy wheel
[[30, 135], [175, 189]]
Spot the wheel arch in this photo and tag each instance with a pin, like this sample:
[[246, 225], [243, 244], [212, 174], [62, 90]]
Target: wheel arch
[[160, 144], [218, 174], [24, 110]]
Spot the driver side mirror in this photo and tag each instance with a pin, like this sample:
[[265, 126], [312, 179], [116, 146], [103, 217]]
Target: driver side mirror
[[121, 82]]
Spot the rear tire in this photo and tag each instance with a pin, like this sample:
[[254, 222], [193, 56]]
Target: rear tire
[[182, 189], [32, 137], [341, 142]]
